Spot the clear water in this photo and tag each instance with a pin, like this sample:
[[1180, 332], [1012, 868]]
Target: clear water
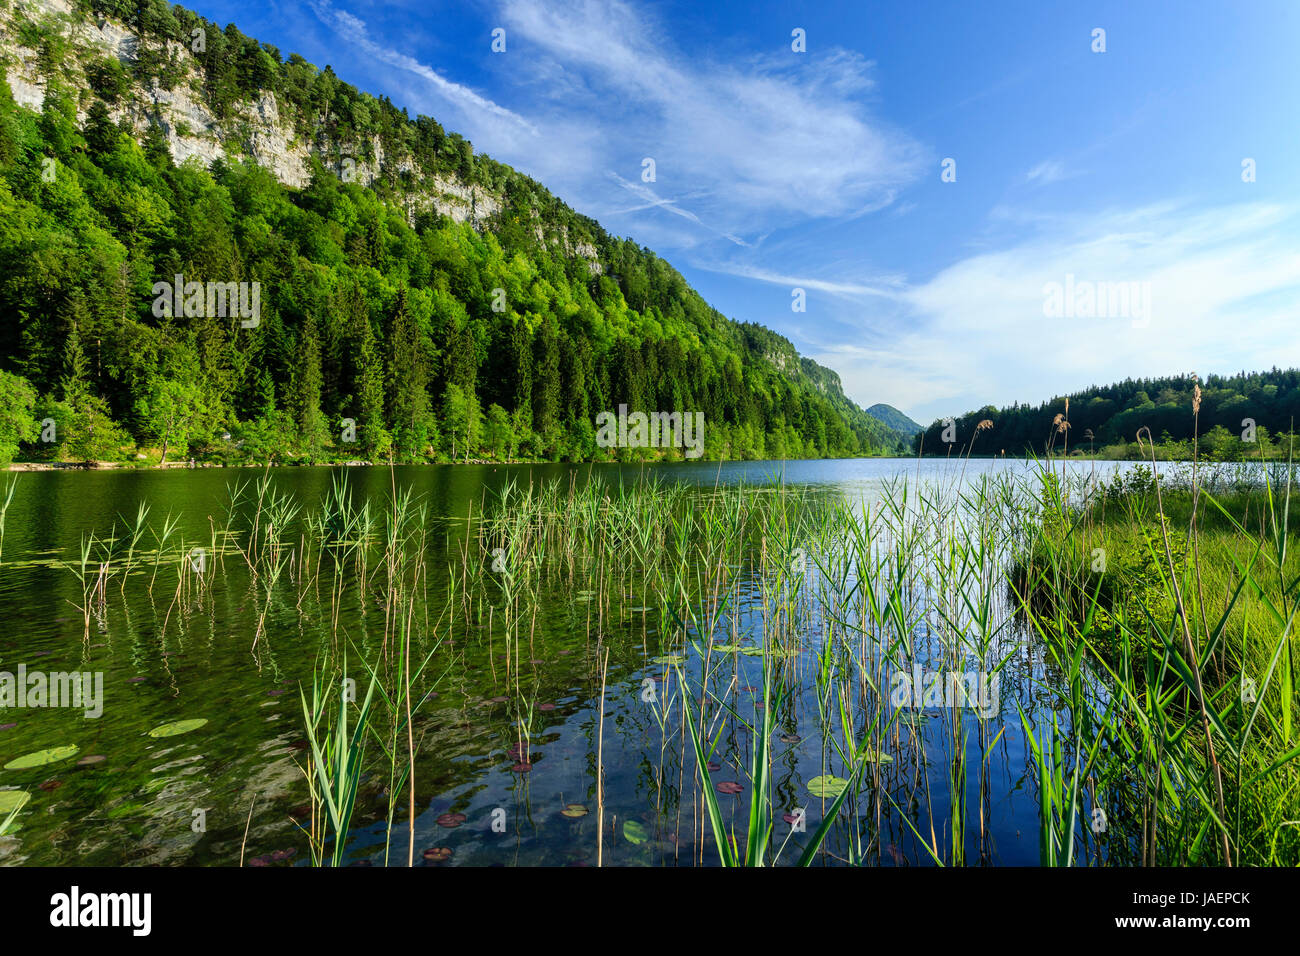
[[165, 660]]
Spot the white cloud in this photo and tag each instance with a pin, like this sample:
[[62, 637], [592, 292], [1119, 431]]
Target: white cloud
[[742, 147], [1225, 289], [1048, 171], [775, 139], [886, 286], [353, 30]]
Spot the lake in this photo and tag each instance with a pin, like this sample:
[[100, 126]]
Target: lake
[[508, 730]]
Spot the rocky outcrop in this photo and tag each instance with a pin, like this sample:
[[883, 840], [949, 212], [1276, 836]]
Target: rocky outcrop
[[259, 130]]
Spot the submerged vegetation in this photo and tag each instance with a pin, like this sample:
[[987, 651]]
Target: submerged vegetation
[[1018, 667]]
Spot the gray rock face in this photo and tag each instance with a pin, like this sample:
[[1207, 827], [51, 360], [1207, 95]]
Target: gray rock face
[[258, 131]]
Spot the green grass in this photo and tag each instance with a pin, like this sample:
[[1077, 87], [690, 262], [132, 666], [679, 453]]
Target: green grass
[[1183, 600]]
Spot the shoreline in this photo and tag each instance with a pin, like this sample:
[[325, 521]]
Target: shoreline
[[38, 466], [34, 466]]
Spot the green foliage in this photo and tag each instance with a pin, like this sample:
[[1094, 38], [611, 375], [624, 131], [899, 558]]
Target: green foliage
[[409, 330], [17, 421], [1105, 420]]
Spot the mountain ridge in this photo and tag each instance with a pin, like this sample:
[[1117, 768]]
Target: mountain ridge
[[223, 100]]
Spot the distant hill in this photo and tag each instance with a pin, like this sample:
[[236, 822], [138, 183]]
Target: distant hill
[[1106, 418], [895, 419]]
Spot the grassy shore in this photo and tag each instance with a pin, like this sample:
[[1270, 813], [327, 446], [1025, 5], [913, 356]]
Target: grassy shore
[[1142, 628], [1183, 596]]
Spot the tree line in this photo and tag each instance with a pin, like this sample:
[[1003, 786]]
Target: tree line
[[1218, 416], [376, 336]]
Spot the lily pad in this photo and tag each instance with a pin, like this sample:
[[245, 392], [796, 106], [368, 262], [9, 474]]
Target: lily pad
[[437, 854], [634, 833], [42, 757], [574, 810], [11, 800], [752, 651], [668, 659], [726, 648], [178, 727], [451, 820], [827, 786], [729, 787], [870, 756]]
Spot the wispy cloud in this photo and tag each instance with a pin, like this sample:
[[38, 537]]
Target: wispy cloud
[[886, 287], [757, 143], [1048, 171], [765, 141], [353, 30], [1224, 285], [653, 201]]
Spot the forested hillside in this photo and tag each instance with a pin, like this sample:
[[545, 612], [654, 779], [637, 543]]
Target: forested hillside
[[891, 417], [1244, 414], [412, 299]]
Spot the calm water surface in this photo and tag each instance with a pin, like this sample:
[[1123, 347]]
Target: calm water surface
[[163, 662]]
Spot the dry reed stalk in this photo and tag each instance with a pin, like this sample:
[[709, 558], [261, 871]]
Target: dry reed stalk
[[600, 767], [1191, 653]]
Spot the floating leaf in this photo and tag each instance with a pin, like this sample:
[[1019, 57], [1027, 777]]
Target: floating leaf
[[668, 659], [178, 727], [438, 854], [42, 757], [574, 810], [827, 786], [11, 800], [871, 756], [451, 820], [634, 833], [752, 651], [729, 787], [726, 648]]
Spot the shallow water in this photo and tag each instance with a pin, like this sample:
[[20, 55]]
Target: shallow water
[[190, 798]]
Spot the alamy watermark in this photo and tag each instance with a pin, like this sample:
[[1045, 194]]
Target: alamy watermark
[[923, 689], [83, 690], [209, 300], [1084, 299], [655, 430]]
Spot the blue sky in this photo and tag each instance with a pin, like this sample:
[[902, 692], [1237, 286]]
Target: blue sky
[[822, 170]]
